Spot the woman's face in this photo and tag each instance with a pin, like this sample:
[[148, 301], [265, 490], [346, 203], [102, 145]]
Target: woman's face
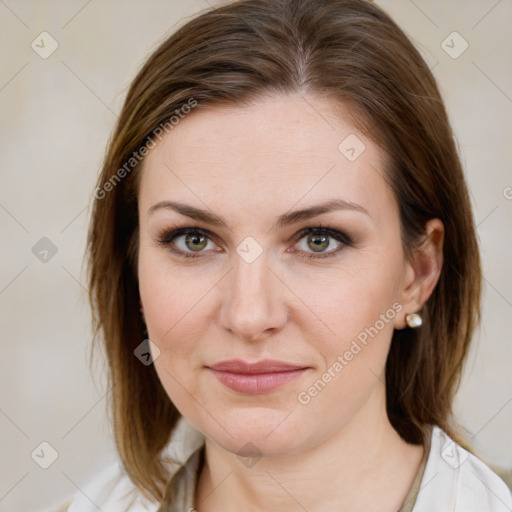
[[269, 334]]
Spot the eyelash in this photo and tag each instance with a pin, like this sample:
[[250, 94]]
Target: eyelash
[[166, 237]]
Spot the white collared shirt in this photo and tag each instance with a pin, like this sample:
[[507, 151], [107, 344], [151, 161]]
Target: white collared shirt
[[454, 480]]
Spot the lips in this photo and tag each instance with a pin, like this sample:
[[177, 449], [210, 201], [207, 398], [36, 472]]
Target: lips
[[254, 378], [265, 366]]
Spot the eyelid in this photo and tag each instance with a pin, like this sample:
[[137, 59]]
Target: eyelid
[[166, 237], [334, 233], [342, 238]]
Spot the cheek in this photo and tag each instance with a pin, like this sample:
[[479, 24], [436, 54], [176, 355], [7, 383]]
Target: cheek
[[356, 311], [361, 312], [172, 300], [351, 297], [170, 295]]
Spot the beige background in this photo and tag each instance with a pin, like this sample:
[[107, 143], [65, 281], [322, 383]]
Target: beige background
[[56, 116]]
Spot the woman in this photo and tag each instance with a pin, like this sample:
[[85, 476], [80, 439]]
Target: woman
[[283, 213]]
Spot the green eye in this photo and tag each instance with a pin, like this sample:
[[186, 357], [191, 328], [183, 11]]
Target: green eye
[[318, 242], [314, 242], [318, 239], [186, 241], [195, 242]]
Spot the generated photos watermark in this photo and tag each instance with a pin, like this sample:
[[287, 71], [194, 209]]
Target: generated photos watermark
[[360, 342], [150, 143]]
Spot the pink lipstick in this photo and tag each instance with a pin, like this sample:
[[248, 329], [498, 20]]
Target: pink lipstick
[[254, 378]]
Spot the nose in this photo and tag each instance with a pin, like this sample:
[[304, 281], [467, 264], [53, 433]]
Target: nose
[[253, 305]]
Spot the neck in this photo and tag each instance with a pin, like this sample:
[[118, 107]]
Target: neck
[[364, 461]]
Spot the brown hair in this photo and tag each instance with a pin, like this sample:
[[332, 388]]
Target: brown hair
[[348, 50]]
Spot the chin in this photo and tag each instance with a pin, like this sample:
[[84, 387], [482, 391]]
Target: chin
[[257, 432]]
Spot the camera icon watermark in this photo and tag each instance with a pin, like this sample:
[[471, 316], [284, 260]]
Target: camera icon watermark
[[507, 192], [249, 249], [352, 147], [44, 45], [44, 455], [249, 454], [147, 352], [44, 250], [454, 45], [453, 456]]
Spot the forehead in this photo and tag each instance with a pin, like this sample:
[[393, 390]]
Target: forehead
[[271, 155]]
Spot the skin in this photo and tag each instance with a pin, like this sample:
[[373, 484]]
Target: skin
[[250, 165]]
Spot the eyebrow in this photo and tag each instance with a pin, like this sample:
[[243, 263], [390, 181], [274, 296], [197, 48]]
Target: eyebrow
[[284, 220]]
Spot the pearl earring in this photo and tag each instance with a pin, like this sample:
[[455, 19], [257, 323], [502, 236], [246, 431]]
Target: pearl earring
[[413, 320]]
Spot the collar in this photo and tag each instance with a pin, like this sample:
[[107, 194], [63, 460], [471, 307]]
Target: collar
[[453, 478], [182, 458]]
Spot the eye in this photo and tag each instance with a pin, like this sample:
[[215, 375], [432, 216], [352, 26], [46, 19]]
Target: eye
[[186, 242], [314, 242]]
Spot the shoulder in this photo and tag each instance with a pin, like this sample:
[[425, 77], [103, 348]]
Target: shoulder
[[110, 491], [456, 481], [113, 491]]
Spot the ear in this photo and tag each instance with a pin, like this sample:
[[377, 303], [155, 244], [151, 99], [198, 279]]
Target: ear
[[422, 271]]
